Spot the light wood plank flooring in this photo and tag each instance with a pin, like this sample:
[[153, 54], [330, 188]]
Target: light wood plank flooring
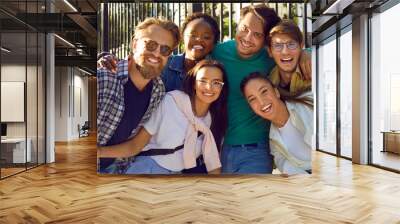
[[388, 159], [70, 191]]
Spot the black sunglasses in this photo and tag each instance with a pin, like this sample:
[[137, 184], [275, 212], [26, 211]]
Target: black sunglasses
[[152, 45]]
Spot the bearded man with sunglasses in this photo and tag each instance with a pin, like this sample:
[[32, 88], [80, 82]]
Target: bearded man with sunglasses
[[125, 100]]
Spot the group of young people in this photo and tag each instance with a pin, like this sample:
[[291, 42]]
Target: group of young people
[[234, 107]]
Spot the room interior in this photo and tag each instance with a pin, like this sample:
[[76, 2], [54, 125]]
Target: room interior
[[48, 170]]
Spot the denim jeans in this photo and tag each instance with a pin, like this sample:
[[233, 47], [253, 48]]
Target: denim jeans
[[146, 165], [246, 159]]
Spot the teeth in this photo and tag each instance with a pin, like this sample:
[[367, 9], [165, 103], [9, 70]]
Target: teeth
[[245, 44], [286, 60], [266, 108], [208, 94], [198, 47], [152, 60]]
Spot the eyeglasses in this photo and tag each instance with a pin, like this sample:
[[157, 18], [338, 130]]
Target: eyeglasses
[[195, 37], [215, 84], [279, 46], [152, 45]]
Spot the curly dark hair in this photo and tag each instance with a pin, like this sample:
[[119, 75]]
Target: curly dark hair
[[208, 19]]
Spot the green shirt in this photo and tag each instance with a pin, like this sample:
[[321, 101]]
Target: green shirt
[[244, 126]]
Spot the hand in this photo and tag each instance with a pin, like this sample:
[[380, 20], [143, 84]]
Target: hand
[[305, 64], [109, 62]]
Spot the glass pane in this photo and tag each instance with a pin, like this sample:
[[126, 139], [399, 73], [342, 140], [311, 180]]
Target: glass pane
[[31, 97], [327, 96], [346, 94], [385, 89], [41, 99], [32, 83], [13, 85]]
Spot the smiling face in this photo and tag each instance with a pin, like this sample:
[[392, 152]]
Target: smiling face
[[263, 98], [250, 36], [208, 85], [198, 39], [285, 51], [151, 63]]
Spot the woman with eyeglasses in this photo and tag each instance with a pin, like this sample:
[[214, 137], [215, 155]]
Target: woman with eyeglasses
[[197, 117]]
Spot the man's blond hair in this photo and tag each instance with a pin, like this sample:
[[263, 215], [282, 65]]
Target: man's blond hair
[[165, 24]]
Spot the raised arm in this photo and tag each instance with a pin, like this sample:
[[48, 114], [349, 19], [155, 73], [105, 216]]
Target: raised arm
[[108, 61], [129, 148]]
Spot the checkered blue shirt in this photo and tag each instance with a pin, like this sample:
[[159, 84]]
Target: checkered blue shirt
[[110, 101]]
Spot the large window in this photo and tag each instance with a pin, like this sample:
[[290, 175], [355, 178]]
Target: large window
[[327, 95], [335, 74], [385, 88], [345, 92], [22, 77]]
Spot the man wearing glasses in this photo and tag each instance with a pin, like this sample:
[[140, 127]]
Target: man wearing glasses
[[125, 100], [285, 43]]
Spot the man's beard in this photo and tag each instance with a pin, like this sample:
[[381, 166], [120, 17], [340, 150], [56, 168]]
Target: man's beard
[[148, 71]]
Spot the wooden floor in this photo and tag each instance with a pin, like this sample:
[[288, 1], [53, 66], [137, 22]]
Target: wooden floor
[[10, 171], [387, 159], [70, 191]]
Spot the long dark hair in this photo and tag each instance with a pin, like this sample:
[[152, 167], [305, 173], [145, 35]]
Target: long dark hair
[[218, 108], [290, 98]]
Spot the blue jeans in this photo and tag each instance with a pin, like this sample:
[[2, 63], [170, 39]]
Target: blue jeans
[[146, 165], [246, 159]]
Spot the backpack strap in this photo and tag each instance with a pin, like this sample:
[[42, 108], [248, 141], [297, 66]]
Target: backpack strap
[[158, 152]]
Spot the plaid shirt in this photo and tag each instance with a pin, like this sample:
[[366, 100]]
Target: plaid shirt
[[110, 101]]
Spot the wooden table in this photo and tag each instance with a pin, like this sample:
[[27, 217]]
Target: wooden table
[[391, 141]]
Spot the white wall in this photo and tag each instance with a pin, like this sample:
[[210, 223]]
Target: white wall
[[33, 126], [61, 103], [71, 93], [17, 73], [12, 73], [80, 110]]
